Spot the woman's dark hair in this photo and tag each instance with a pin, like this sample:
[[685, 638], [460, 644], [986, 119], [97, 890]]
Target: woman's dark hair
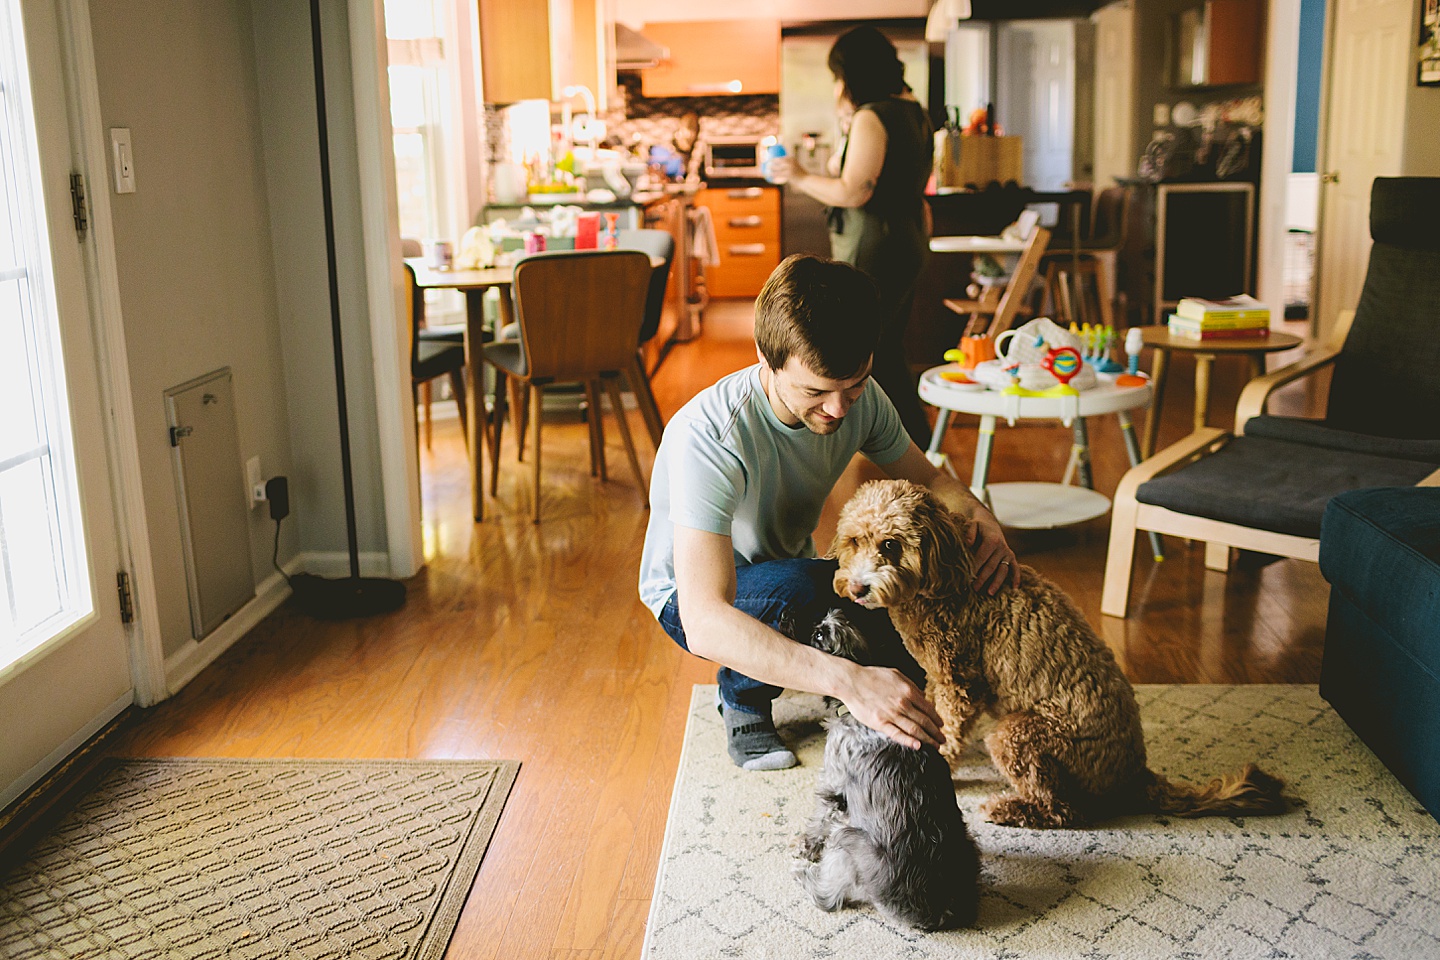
[[864, 60], [824, 312]]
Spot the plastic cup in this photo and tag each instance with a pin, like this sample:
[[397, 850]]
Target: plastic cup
[[771, 152], [587, 231]]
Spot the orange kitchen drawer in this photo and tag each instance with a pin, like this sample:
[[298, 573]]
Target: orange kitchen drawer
[[740, 201], [744, 267]]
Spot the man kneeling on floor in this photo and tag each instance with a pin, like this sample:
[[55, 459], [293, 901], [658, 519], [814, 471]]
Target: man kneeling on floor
[[729, 566]]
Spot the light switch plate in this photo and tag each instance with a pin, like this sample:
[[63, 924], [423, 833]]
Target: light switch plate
[[122, 159]]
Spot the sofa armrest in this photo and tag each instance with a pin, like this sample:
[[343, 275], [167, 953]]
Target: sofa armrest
[[1204, 440]]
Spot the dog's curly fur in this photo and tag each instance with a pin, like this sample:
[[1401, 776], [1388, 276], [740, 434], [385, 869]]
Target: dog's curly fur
[[1068, 737], [887, 829]]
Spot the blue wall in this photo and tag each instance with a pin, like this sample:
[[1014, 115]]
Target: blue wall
[[1307, 92]]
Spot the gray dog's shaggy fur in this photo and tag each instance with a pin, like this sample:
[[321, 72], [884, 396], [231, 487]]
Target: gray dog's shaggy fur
[[887, 830]]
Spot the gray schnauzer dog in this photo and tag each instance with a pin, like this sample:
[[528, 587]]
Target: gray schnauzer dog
[[887, 830]]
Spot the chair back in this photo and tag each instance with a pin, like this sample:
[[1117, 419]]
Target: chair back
[[417, 315], [1020, 282], [580, 313], [653, 243], [1387, 377], [1112, 210]]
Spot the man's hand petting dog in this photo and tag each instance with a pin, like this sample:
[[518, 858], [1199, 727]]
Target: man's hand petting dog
[[887, 702], [995, 563]]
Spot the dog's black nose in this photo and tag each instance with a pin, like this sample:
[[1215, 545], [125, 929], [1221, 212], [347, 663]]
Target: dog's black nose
[[857, 590]]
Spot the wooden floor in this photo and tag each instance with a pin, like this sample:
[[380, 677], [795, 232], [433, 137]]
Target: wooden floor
[[529, 643]]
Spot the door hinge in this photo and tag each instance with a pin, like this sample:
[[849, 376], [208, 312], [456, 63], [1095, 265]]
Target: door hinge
[[127, 606], [77, 204]]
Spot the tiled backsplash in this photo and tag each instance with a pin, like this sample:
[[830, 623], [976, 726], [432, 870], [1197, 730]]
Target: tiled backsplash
[[655, 120], [636, 120]]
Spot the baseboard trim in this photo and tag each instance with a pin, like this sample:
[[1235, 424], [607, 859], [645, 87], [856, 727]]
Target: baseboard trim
[[27, 801], [183, 665], [337, 564]]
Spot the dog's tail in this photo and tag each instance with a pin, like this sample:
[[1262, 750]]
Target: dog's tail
[[1251, 792]]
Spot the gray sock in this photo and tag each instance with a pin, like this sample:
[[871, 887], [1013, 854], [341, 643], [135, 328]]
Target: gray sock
[[753, 742]]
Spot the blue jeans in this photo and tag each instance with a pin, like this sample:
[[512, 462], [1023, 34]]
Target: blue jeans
[[792, 596]]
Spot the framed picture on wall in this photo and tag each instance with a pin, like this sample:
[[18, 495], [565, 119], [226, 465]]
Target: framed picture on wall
[[1428, 72]]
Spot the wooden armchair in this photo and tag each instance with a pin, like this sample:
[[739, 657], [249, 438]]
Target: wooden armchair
[[1265, 487]]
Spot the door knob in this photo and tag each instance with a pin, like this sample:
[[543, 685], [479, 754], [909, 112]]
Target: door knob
[[1332, 177]]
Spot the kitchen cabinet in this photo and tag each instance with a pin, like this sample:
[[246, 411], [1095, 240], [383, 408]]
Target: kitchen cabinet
[[714, 57], [533, 51], [747, 233], [1218, 44]]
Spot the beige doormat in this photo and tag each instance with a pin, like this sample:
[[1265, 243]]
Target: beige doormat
[[200, 858], [1354, 871]]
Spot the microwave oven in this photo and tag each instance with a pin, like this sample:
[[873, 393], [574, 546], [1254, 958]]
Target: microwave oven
[[733, 157]]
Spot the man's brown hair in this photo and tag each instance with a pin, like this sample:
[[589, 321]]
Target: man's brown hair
[[824, 312]]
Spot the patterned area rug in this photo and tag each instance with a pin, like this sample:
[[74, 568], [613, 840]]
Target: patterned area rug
[[1353, 870], [243, 859]]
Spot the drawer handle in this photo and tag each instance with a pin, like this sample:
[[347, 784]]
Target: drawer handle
[[754, 221], [746, 193], [747, 249]]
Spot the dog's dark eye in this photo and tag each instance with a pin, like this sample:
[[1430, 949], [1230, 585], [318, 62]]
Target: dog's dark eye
[[891, 548]]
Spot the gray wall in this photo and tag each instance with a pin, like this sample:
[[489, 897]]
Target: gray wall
[[197, 280], [1422, 128], [221, 255]]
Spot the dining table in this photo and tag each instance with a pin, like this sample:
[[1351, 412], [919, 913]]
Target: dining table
[[474, 283]]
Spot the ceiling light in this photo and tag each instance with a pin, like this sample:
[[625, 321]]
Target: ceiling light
[[943, 17]]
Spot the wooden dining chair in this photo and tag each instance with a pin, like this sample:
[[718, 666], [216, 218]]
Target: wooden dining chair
[[430, 359], [580, 316], [993, 312], [658, 244]]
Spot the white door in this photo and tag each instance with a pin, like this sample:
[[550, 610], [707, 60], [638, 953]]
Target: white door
[[1369, 70], [1036, 97], [1115, 153], [64, 664]]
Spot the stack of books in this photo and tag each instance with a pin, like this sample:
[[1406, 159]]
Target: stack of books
[[1242, 316]]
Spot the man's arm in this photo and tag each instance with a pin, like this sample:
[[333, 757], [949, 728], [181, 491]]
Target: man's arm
[[995, 563], [881, 698]]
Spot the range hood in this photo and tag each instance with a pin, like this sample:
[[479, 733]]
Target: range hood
[[635, 51]]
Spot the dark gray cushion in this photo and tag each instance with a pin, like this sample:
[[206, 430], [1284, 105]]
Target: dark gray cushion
[[1404, 211], [1274, 485], [1314, 433], [508, 356], [1387, 379]]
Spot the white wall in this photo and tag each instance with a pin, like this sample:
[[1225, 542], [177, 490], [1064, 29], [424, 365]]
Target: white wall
[[197, 279], [291, 158]]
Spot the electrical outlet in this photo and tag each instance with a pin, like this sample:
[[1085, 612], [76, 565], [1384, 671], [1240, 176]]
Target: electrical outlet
[[254, 481]]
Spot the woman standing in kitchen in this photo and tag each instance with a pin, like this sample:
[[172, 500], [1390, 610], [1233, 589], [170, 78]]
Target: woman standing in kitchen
[[879, 220]]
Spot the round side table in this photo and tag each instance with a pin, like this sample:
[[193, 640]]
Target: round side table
[[1205, 352]]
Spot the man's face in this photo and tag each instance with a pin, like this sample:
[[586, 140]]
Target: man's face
[[799, 395]]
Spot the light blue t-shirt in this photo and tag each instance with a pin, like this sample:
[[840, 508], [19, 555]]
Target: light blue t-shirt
[[727, 465]]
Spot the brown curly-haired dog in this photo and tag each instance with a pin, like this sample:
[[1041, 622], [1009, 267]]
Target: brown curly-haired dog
[[1068, 736]]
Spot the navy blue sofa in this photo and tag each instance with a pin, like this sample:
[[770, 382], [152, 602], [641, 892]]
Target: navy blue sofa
[[1380, 550]]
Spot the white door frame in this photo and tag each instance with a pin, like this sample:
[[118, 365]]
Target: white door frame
[[1282, 64], [147, 656], [385, 286]]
